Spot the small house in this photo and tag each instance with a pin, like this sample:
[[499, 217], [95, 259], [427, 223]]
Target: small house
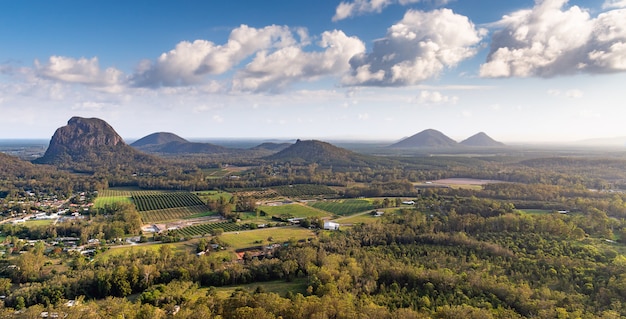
[[331, 225]]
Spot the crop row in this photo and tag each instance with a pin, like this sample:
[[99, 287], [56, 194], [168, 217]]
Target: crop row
[[202, 229], [165, 200], [304, 190], [170, 214], [344, 207]]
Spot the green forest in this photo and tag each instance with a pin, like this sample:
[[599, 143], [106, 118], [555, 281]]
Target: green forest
[[546, 238]]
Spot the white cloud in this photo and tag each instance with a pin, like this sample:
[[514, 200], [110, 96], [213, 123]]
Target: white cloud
[[435, 97], [363, 116], [549, 40], [612, 4], [360, 7], [189, 62], [417, 48], [572, 94], [81, 71], [277, 70]]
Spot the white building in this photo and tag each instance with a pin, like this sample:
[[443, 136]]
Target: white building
[[331, 225]]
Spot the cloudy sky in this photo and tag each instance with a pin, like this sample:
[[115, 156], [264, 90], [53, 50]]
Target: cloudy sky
[[524, 70]]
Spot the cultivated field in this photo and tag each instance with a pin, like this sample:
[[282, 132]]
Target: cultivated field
[[294, 210], [177, 213], [251, 238], [344, 207]]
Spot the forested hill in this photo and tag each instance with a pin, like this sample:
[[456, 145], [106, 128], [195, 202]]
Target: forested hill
[[426, 139], [481, 139], [325, 154], [158, 138]]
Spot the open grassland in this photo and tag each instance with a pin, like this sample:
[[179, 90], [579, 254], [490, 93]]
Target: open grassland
[[344, 207], [295, 210], [212, 195], [38, 222], [365, 218], [536, 211], [280, 287], [177, 213], [252, 238], [102, 201]]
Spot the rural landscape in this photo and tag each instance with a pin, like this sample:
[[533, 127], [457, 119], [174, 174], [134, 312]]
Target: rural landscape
[[422, 228], [338, 159]]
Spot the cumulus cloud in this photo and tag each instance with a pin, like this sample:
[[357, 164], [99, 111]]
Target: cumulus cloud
[[274, 71], [612, 4], [189, 62], [360, 7], [417, 48], [81, 71], [435, 97], [549, 40]]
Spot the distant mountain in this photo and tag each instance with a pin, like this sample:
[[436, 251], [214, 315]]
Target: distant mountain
[[426, 139], [189, 148], [91, 144], [322, 153], [276, 147], [482, 140], [159, 138], [169, 143]]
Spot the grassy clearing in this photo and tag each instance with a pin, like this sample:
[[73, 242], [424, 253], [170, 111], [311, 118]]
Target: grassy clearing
[[280, 287], [122, 250], [535, 211], [366, 218], [344, 207], [172, 214], [295, 210], [101, 202], [251, 238], [38, 222]]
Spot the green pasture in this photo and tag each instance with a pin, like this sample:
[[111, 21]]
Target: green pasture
[[215, 172], [365, 218], [101, 201], [38, 222], [250, 238], [536, 211], [280, 287], [344, 207], [296, 210], [176, 213]]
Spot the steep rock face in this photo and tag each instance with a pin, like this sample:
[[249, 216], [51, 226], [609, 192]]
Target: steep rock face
[[80, 134], [89, 145]]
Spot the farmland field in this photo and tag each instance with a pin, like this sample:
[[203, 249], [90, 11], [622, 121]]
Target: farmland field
[[202, 229], [366, 218], [304, 190], [344, 207], [295, 210], [38, 222], [102, 201], [165, 200], [279, 235], [169, 214]]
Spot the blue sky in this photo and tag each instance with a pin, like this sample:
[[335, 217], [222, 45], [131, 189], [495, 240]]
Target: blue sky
[[521, 71]]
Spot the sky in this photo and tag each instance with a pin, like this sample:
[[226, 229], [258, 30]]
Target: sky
[[520, 71]]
